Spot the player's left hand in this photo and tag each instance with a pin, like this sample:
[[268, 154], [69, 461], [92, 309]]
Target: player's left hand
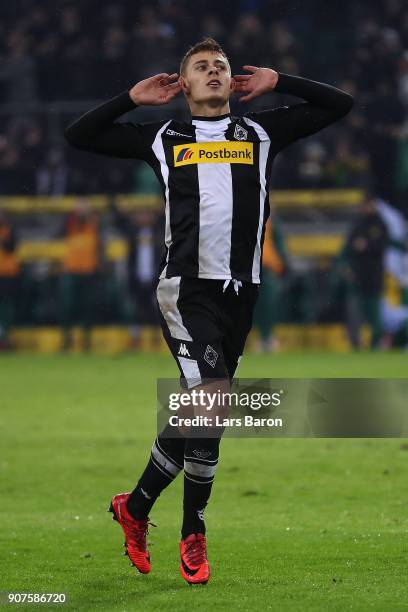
[[260, 81]]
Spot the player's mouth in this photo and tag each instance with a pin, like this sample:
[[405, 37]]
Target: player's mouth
[[214, 83]]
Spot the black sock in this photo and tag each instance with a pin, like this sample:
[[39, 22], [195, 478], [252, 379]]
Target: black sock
[[200, 463], [166, 461]]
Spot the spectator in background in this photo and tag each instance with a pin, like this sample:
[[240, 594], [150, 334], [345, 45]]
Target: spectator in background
[[9, 277], [248, 40], [32, 151], [9, 169], [22, 144], [213, 26], [18, 70], [394, 319], [348, 166], [80, 268], [70, 54], [274, 267], [311, 169], [145, 180], [52, 175], [114, 60], [401, 171], [144, 251], [403, 77], [364, 252], [385, 117], [281, 44], [151, 40]]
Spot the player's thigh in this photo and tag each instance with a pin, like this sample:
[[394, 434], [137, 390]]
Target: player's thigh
[[191, 328], [239, 323]]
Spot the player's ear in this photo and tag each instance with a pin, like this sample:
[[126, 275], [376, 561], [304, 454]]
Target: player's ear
[[183, 85], [233, 84]]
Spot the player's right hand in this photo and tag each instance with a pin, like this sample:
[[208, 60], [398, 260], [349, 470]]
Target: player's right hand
[[155, 90]]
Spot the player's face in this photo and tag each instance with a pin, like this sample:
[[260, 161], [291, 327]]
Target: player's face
[[207, 78]]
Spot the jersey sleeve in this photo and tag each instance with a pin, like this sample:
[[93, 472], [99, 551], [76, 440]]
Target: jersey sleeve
[[324, 104], [98, 131]]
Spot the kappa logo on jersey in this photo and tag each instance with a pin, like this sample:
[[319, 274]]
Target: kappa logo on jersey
[[210, 356], [183, 350], [214, 153], [240, 133], [173, 133]]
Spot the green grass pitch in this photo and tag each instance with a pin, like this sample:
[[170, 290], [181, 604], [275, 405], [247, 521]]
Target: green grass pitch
[[310, 524]]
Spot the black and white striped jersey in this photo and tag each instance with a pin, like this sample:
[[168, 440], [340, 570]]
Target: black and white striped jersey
[[214, 172]]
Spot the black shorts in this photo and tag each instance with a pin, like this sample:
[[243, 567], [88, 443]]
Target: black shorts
[[205, 324]]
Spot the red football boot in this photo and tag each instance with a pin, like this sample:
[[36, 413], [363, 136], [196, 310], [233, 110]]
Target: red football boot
[[193, 559], [135, 533]]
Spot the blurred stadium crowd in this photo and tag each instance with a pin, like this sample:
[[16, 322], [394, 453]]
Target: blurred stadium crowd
[[59, 57]]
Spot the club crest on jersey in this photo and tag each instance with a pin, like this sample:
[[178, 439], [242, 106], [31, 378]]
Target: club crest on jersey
[[240, 133], [225, 152]]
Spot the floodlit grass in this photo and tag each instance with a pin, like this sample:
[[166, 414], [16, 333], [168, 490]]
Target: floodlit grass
[[311, 524]]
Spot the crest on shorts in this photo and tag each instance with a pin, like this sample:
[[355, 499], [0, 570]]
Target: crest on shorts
[[240, 133], [210, 356]]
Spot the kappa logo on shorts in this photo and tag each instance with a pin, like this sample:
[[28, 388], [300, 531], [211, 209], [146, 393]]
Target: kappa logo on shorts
[[183, 350], [210, 356]]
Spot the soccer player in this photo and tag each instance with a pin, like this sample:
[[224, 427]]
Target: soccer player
[[214, 172]]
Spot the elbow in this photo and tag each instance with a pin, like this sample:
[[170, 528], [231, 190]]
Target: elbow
[[72, 138], [347, 104], [69, 136]]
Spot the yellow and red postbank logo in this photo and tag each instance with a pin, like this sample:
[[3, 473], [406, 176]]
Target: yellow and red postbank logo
[[214, 153]]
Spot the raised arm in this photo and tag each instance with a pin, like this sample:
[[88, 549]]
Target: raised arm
[[285, 124], [98, 131], [317, 94]]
